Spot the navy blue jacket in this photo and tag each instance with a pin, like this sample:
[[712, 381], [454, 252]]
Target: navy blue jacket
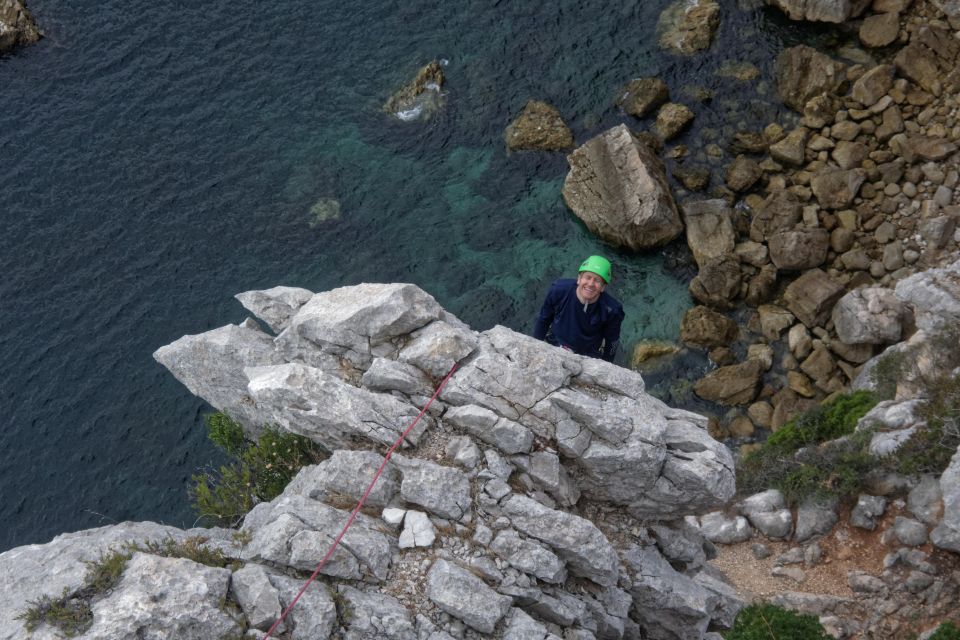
[[592, 331]]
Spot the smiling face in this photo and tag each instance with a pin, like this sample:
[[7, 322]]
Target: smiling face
[[589, 287]]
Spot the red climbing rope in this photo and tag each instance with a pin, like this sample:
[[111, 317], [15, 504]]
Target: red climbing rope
[[363, 499]]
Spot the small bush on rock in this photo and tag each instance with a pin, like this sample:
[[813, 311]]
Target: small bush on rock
[[261, 471], [946, 631], [769, 622], [816, 452]]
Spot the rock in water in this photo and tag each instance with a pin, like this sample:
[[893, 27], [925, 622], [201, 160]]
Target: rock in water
[[802, 73], [421, 98], [642, 95], [538, 127], [687, 27], [17, 26], [821, 10], [324, 209], [618, 187]]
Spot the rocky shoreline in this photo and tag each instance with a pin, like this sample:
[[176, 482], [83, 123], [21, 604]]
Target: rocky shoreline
[[17, 26]]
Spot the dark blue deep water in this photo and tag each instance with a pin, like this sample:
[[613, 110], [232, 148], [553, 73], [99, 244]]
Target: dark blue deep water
[[158, 157]]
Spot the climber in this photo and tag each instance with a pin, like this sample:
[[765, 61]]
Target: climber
[[579, 315]]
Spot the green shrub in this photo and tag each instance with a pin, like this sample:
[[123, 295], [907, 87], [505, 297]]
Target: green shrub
[[946, 631], [795, 459], [70, 615], [259, 472], [769, 622], [931, 447]]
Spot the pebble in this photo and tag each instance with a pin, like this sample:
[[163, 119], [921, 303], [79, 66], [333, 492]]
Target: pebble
[[909, 189], [943, 196]]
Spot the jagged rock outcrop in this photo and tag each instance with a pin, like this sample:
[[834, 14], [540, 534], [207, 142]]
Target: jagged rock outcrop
[[821, 10], [538, 127], [17, 26], [471, 525], [619, 188]]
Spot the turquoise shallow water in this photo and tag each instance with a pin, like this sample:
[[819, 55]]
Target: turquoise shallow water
[[159, 157]]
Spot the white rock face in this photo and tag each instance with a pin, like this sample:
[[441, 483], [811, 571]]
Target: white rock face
[[869, 315], [934, 295], [275, 306], [947, 534]]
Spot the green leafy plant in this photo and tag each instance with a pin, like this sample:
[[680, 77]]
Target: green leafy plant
[[769, 622], [796, 460], [260, 471], [946, 631], [70, 615]]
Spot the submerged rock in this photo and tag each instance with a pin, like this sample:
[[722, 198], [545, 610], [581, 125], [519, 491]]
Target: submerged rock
[[821, 10], [538, 127], [802, 73], [642, 95], [421, 97], [618, 187]]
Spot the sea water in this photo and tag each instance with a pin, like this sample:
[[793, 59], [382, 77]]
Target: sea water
[[158, 157]]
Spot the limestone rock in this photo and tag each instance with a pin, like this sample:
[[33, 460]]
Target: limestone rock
[[929, 59], [314, 616], [642, 95], [275, 306], [850, 155], [508, 436], [211, 365], [869, 315], [925, 501], [17, 26], [435, 348], [930, 148], [529, 557], [717, 527], [873, 85], [421, 97], [815, 517], [880, 30], [802, 72], [799, 249], [867, 510], [688, 27], [731, 385], [821, 10], [465, 596], [164, 598], [934, 296], [768, 513], [718, 282], [742, 173], [417, 531], [376, 615], [259, 600], [585, 549], [347, 473], [618, 187], [709, 229], [811, 297], [705, 327], [538, 127], [791, 149], [441, 490], [946, 535], [780, 211], [672, 119], [836, 188]]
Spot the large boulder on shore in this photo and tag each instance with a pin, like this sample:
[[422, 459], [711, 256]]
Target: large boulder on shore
[[17, 26], [836, 11], [799, 249], [869, 315], [619, 188], [802, 73], [641, 96], [709, 225], [811, 297], [934, 296], [731, 385], [929, 60]]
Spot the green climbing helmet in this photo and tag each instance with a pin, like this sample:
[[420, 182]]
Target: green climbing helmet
[[598, 265]]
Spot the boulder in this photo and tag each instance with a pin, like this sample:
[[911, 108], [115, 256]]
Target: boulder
[[768, 513], [731, 385], [258, 599], [929, 60], [508, 436], [930, 148], [671, 119], [347, 473], [811, 297], [539, 127], [742, 174], [802, 72], [925, 501], [421, 97], [836, 188], [687, 27], [709, 229], [417, 531], [880, 30], [719, 528], [694, 177], [934, 296], [909, 532], [383, 616], [946, 535], [441, 490], [704, 327], [799, 249], [465, 596], [867, 511], [792, 148], [780, 211], [849, 155], [717, 284], [815, 517], [869, 315], [17, 26], [873, 85], [529, 557], [643, 95], [618, 187], [164, 598], [275, 306], [836, 11]]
